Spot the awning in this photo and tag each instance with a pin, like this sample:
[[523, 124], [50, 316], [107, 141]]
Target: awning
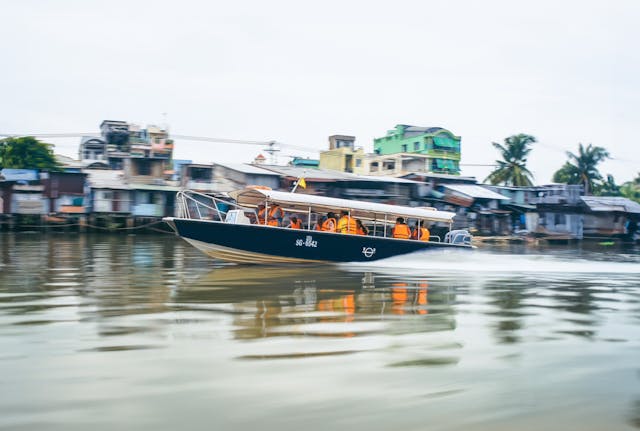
[[301, 202]]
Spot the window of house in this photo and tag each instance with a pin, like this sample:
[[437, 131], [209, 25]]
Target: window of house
[[144, 167], [358, 163], [404, 148], [560, 219], [416, 146]]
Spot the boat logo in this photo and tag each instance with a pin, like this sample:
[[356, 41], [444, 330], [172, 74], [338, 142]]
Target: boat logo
[[307, 242], [368, 251]]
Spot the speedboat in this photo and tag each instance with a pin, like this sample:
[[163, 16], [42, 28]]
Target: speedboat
[[229, 229]]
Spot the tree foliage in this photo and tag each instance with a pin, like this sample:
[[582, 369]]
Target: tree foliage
[[512, 169], [582, 168], [607, 187], [27, 153], [631, 189]]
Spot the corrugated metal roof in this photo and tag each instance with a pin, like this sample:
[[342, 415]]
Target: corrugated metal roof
[[476, 192], [611, 204], [10, 174], [248, 169], [325, 174]]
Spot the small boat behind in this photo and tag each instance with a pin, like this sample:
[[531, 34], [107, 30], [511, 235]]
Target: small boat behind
[[244, 228]]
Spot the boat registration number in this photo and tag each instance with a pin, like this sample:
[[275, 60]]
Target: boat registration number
[[307, 242]]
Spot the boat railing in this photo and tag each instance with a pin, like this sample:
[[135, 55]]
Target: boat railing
[[459, 236], [200, 206], [435, 238]]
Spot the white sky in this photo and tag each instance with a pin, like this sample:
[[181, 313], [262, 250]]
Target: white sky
[[297, 72]]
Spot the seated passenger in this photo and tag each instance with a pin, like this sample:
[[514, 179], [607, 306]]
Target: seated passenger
[[329, 225], [361, 229], [318, 225], [421, 233], [276, 214], [401, 230], [295, 223], [261, 214], [347, 224]]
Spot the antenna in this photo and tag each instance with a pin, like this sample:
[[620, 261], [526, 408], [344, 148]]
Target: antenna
[[273, 149]]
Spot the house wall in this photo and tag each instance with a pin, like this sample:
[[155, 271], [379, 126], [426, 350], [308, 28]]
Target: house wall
[[604, 224], [148, 203], [28, 203], [561, 223], [106, 200], [442, 145]]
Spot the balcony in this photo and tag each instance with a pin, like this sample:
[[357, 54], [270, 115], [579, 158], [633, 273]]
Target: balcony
[[452, 155]]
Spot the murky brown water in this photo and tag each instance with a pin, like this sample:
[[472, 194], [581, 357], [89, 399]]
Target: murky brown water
[[142, 332]]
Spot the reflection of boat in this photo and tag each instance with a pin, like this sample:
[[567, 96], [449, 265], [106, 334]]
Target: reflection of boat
[[229, 234]]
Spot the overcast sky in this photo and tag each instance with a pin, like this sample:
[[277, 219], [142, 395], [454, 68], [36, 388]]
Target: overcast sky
[[297, 72]]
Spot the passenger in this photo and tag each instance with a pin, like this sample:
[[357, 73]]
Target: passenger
[[273, 218], [347, 224], [401, 230], [276, 214], [295, 223], [318, 225], [362, 229], [261, 213], [421, 233], [329, 225]]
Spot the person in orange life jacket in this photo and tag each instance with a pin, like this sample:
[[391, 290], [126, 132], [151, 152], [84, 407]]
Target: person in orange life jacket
[[361, 229], [273, 217], [401, 230], [421, 233], [347, 224], [319, 222], [329, 225], [295, 223], [261, 212]]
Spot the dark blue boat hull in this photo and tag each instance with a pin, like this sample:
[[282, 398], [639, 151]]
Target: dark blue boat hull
[[263, 244]]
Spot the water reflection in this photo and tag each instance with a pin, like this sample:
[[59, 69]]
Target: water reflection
[[107, 323], [310, 301]]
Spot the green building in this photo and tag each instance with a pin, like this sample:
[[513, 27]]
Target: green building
[[438, 145]]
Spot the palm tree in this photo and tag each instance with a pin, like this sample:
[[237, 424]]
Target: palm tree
[[512, 170], [581, 168]]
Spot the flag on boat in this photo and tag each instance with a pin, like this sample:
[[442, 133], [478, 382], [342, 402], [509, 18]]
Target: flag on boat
[[302, 183]]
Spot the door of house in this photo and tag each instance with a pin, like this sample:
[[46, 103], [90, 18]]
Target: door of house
[[116, 202]]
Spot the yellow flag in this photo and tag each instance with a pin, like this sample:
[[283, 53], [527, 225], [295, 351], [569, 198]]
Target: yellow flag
[[302, 183]]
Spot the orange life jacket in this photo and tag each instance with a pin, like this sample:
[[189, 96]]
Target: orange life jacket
[[347, 224], [401, 231], [329, 225], [272, 219], [296, 225], [422, 234]]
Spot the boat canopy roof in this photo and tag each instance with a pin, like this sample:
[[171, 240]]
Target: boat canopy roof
[[252, 197]]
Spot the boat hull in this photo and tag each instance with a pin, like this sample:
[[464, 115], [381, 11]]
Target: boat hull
[[264, 244]]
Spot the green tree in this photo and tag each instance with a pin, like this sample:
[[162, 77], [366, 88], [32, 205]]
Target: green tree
[[631, 189], [607, 188], [27, 153], [582, 168], [512, 170]]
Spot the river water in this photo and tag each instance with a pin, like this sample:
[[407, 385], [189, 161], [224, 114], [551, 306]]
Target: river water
[[143, 332]]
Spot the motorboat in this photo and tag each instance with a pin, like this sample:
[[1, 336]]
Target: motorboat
[[228, 228]]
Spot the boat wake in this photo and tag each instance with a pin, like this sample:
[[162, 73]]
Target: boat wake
[[465, 263]]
